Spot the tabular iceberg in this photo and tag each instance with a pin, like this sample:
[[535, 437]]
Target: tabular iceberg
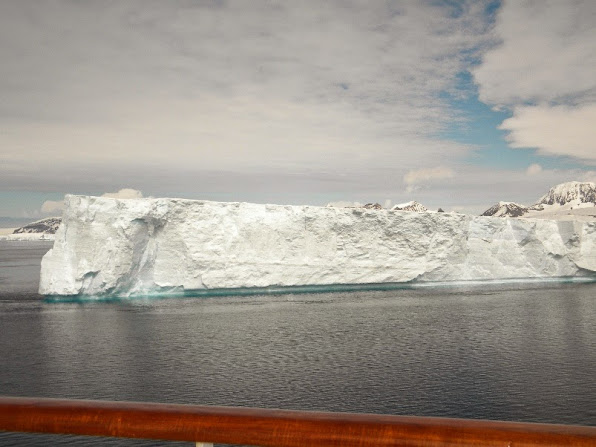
[[112, 247]]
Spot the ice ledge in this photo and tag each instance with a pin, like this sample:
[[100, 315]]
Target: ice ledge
[[328, 288], [111, 247]]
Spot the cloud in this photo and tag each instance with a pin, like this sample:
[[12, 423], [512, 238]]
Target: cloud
[[534, 169], [238, 86], [545, 52], [588, 176], [542, 69], [55, 207], [559, 130], [125, 193], [285, 102], [416, 178], [52, 207], [472, 189]]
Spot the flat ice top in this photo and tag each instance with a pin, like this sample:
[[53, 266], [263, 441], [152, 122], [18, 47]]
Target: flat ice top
[[580, 212]]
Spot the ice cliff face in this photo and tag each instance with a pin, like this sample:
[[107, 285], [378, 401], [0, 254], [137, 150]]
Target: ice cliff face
[[120, 247]]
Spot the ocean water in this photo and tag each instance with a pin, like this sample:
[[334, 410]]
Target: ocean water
[[507, 352]]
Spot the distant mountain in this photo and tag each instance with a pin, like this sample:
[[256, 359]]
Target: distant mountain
[[45, 226], [373, 206], [410, 206], [570, 192], [564, 201], [506, 209]]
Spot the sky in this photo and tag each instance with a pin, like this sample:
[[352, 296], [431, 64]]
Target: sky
[[455, 104]]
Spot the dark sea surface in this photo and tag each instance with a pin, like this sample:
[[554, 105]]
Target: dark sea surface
[[508, 352]]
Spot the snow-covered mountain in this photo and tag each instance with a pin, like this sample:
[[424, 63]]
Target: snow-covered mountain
[[373, 206], [566, 193], [410, 206], [506, 209], [46, 226], [566, 201], [407, 206]]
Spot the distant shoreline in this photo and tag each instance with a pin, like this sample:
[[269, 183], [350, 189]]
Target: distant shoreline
[[6, 234]]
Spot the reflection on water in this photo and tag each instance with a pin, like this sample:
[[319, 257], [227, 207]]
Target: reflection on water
[[509, 352]]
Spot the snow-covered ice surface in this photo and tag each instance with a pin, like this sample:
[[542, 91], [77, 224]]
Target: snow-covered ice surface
[[111, 247], [5, 236], [572, 211]]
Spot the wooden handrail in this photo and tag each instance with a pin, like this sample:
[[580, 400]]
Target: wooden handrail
[[263, 427]]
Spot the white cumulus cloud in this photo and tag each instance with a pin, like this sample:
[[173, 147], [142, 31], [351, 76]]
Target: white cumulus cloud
[[52, 207], [546, 52], [55, 207], [559, 130], [534, 169], [542, 69], [125, 193], [417, 178]]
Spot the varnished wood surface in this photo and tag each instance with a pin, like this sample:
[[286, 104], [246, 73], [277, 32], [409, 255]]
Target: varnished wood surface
[[264, 427]]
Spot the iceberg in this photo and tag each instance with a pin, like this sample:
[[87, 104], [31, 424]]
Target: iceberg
[[113, 247]]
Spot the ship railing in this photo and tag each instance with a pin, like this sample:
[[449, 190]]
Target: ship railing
[[205, 425]]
